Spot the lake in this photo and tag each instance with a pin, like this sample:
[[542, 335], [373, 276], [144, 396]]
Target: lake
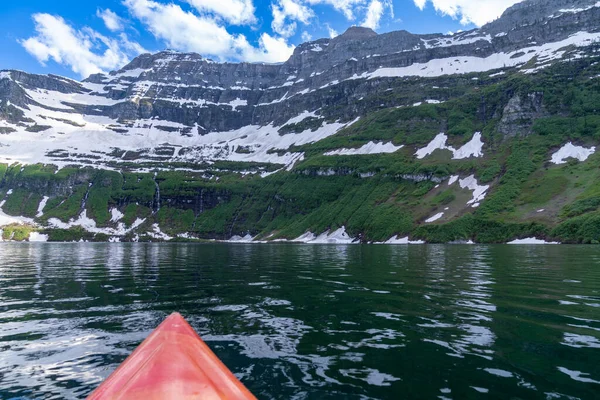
[[310, 321]]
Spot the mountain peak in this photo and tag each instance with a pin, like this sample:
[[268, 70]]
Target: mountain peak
[[358, 33], [529, 11]]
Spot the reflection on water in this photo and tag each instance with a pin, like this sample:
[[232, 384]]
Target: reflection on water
[[471, 315], [310, 322]]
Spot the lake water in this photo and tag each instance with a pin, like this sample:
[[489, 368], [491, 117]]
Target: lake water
[[310, 321]]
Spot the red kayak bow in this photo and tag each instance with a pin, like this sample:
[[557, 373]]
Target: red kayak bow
[[172, 363]]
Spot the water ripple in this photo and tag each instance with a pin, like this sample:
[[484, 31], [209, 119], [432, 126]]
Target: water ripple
[[310, 322]]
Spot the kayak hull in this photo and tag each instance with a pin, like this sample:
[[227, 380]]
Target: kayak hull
[[172, 363]]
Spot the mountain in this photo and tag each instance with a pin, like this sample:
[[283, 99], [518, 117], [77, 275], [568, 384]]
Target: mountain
[[363, 136]]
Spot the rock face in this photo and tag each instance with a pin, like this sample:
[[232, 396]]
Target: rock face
[[520, 113], [182, 107]]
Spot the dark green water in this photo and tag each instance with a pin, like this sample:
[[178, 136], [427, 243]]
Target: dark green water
[[311, 322]]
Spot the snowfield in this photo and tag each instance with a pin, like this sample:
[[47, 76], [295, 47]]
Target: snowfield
[[404, 240], [465, 64], [369, 148], [337, 237], [473, 148], [91, 135], [531, 241], [434, 218], [89, 225], [41, 206], [37, 237], [470, 183], [571, 151]]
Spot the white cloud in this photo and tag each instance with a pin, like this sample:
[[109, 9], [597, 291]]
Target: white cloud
[[186, 31], [374, 13], [332, 32], [133, 47], [182, 30], [233, 11], [85, 51], [420, 3], [306, 37], [112, 21], [478, 12], [285, 13], [270, 49]]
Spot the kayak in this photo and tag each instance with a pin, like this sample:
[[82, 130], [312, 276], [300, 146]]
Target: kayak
[[172, 363]]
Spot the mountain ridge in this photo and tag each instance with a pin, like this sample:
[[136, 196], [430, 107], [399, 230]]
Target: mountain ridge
[[181, 145]]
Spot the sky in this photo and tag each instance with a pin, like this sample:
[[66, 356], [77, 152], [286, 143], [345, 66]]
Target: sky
[[76, 38]]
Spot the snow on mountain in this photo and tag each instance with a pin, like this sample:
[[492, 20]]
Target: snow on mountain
[[473, 148], [181, 107], [369, 148], [569, 150]]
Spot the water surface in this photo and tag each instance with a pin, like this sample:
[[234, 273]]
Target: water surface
[[310, 322]]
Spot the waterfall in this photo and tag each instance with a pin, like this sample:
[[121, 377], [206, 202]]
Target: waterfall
[[201, 201], [84, 200], [157, 193]]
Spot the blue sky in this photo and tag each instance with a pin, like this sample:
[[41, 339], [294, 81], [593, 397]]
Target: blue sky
[[76, 38]]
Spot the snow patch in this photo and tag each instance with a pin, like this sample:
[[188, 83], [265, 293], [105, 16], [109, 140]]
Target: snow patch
[[578, 10], [238, 103], [571, 151], [132, 73], [404, 240], [439, 142], [369, 148], [90, 225], [93, 136], [455, 40], [158, 234], [40, 209], [531, 240], [434, 218], [299, 118], [470, 64], [473, 148], [337, 237], [60, 100], [37, 237], [115, 215], [239, 239], [305, 238], [479, 191]]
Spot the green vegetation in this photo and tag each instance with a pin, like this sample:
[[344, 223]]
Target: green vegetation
[[17, 232], [22, 202]]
